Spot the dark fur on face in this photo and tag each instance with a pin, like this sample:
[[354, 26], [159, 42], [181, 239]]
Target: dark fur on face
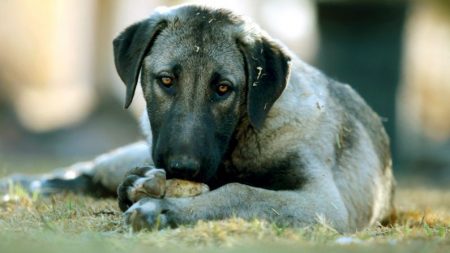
[[192, 118], [192, 122]]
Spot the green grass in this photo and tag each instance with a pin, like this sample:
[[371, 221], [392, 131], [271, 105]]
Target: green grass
[[68, 222]]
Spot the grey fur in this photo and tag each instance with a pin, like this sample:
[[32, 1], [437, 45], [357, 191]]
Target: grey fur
[[302, 148]]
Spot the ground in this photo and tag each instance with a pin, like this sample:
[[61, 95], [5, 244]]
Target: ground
[[77, 223], [67, 222]]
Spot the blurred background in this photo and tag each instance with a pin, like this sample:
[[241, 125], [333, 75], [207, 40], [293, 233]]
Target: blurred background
[[61, 100]]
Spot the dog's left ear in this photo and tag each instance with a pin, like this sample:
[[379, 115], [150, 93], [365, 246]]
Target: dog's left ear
[[130, 48], [268, 68]]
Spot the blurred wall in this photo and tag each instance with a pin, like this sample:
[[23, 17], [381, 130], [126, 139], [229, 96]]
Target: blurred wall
[[361, 44]]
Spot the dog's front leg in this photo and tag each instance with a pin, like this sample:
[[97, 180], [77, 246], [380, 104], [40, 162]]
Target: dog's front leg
[[316, 202], [100, 176]]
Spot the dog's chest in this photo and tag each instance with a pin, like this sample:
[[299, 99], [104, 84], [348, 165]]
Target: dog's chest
[[278, 173]]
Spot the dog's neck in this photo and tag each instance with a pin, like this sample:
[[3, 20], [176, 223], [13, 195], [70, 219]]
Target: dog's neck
[[254, 149]]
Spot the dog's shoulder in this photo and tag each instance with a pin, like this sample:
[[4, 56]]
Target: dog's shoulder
[[318, 108], [304, 100], [355, 109]]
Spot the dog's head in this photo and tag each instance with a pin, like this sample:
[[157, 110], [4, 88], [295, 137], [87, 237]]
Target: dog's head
[[202, 71]]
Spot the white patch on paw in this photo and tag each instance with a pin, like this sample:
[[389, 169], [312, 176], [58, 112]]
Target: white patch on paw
[[140, 182], [148, 207], [145, 207], [136, 190], [153, 172]]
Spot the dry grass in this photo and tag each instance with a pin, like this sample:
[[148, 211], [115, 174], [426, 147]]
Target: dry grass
[[75, 223]]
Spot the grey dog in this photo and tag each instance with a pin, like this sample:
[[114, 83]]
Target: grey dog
[[229, 106]]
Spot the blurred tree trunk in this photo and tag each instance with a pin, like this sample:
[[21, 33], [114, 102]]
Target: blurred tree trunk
[[46, 52], [423, 100]]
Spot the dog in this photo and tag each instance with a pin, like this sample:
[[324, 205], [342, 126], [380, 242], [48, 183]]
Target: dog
[[229, 106]]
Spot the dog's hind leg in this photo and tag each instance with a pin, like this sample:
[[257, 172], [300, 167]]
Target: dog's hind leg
[[99, 177]]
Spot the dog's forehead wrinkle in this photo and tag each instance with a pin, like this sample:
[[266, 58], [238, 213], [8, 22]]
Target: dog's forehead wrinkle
[[217, 21], [168, 47], [218, 55]]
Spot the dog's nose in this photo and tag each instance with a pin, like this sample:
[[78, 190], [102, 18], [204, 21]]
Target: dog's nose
[[183, 167]]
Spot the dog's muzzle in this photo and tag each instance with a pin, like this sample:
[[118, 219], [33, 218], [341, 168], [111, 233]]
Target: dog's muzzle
[[183, 167]]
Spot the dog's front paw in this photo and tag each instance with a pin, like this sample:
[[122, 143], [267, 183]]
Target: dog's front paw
[[141, 182], [149, 214]]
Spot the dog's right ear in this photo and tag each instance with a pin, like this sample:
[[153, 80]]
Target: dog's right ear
[[130, 48]]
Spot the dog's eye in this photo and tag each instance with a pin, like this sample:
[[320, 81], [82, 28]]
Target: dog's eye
[[166, 81], [223, 89]]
